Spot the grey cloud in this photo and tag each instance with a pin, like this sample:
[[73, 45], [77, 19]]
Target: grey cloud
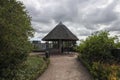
[[115, 26], [83, 14], [117, 32], [62, 11], [84, 33], [102, 15], [91, 26], [33, 11], [42, 31]]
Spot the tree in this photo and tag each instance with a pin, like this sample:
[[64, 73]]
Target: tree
[[15, 28]]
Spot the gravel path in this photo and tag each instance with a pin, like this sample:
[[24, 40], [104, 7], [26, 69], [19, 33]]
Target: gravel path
[[65, 68]]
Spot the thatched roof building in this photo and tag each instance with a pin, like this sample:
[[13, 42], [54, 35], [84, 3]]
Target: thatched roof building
[[60, 37]]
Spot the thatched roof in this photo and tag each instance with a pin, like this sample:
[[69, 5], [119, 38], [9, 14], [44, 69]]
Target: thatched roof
[[60, 32]]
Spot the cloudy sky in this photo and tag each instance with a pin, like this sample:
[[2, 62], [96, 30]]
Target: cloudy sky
[[82, 17]]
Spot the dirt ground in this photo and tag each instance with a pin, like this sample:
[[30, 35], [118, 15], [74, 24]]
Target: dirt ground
[[65, 67]]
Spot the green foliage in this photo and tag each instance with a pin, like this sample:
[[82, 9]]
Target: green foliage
[[99, 71], [15, 28], [118, 72], [102, 71], [105, 71], [32, 68], [97, 47], [95, 53]]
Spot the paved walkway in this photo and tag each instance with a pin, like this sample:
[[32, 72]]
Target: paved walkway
[[65, 67]]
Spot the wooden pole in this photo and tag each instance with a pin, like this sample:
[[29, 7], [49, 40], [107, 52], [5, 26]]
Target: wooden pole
[[60, 46]]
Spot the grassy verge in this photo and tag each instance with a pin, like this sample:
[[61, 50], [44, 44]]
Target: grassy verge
[[33, 67]]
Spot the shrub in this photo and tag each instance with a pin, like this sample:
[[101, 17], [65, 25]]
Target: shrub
[[97, 47], [95, 53], [116, 54], [15, 28]]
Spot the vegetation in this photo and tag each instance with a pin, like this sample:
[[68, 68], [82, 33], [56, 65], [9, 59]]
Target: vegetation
[[95, 53], [15, 28], [33, 67]]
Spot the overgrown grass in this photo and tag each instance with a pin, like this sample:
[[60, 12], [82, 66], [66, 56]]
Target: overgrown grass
[[33, 67], [102, 71]]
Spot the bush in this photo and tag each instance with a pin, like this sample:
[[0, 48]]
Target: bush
[[97, 48], [15, 28], [95, 53], [116, 54]]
